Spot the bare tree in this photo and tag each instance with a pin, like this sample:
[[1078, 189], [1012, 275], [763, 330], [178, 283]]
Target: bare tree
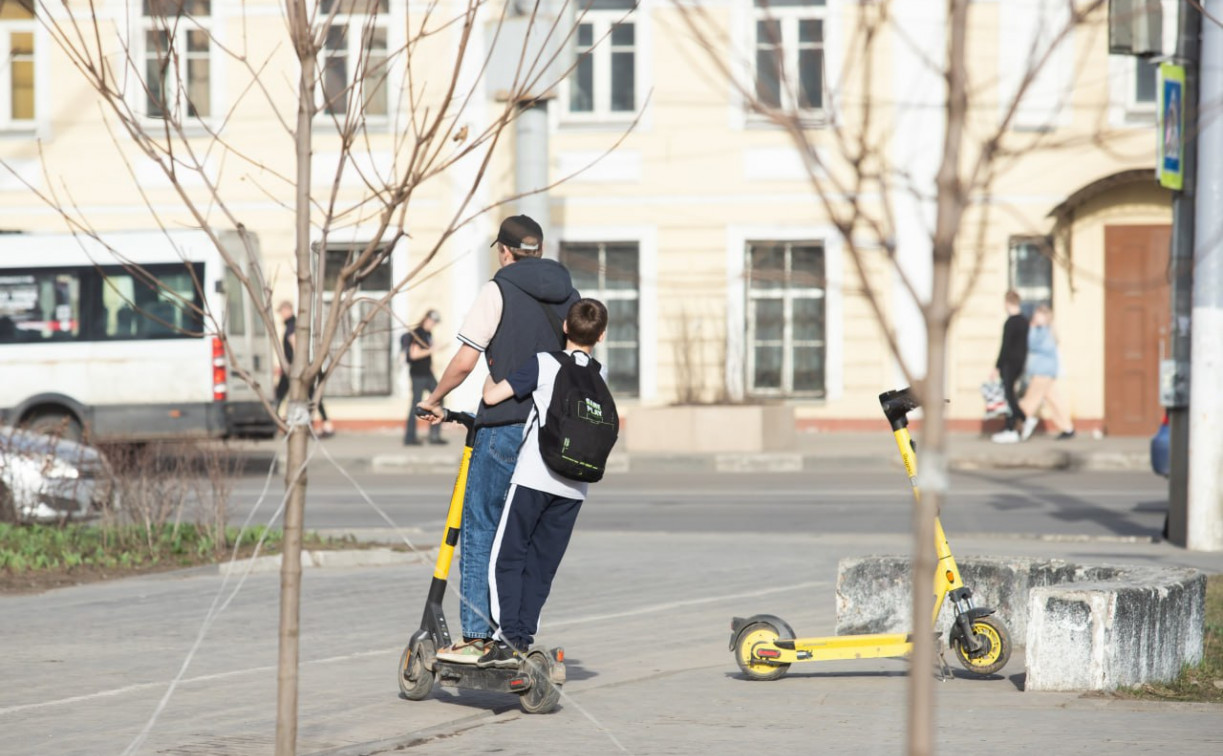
[[144, 84], [854, 182]]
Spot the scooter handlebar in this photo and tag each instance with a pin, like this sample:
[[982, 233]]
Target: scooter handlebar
[[465, 419], [897, 405]]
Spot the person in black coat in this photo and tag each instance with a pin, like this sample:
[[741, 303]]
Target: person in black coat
[[1012, 358], [417, 348]]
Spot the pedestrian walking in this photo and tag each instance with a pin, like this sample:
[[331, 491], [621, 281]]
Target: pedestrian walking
[[417, 348], [289, 343], [1009, 367], [1043, 368]]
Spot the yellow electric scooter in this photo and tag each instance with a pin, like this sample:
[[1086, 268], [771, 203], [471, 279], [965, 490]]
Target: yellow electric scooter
[[765, 646], [536, 681]]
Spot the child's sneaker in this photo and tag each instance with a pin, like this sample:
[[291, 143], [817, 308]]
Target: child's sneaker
[[499, 655], [464, 652]]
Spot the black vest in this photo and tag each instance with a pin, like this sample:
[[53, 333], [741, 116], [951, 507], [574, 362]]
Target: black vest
[[527, 287]]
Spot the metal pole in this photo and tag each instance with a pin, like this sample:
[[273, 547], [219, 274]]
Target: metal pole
[[531, 162], [1188, 51], [1205, 513]]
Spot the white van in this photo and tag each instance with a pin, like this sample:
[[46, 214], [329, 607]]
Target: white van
[[124, 345]]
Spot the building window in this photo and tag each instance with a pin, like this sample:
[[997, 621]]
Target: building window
[[355, 56], [604, 82], [177, 60], [609, 272], [365, 369], [1030, 271], [789, 54], [17, 27], [786, 344], [1146, 75]]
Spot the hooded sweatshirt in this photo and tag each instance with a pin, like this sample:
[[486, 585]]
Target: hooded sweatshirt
[[528, 286]]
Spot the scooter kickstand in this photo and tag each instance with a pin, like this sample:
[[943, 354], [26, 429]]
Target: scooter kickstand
[[944, 671]]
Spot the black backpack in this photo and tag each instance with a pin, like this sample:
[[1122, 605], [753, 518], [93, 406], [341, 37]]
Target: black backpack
[[581, 425]]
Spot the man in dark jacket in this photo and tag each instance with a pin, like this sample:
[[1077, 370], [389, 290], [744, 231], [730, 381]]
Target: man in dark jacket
[[1012, 357], [515, 316]]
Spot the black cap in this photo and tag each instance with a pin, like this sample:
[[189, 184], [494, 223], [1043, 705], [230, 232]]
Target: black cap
[[520, 232]]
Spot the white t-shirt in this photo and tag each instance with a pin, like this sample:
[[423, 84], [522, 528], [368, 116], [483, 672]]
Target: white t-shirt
[[536, 379], [483, 318]]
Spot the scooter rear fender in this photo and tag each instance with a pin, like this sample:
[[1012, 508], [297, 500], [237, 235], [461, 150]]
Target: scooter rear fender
[[738, 623]]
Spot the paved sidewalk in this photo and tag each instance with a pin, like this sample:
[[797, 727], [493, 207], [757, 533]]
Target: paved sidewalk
[[644, 619], [384, 451]]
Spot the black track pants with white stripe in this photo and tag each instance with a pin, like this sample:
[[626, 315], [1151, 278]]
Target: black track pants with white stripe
[[531, 540]]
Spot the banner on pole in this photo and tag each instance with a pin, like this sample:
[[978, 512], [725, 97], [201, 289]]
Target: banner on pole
[[1171, 126]]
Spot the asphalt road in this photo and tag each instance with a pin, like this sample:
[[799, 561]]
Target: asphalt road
[[853, 500]]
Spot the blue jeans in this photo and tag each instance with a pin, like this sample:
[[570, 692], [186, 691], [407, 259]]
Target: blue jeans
[[488, 480]]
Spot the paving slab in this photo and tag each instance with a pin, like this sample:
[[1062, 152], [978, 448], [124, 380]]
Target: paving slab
[[645, 622]]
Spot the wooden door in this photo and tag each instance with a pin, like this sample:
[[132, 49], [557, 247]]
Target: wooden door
[[1136, 314]]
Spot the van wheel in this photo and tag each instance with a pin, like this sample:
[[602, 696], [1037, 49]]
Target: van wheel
[[56, 423]]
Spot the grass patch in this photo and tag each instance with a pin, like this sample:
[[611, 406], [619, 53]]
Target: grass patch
[[36, 557], [1203, 683]]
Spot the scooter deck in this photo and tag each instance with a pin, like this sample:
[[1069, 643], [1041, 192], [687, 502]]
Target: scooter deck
[[835, 647], [471, 677]]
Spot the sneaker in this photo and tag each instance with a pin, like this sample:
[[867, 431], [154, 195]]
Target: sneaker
[[500, 656], [1029, 425], [1065, 435], [411, 442], [1005, 437], [438, 441], [464, 652]]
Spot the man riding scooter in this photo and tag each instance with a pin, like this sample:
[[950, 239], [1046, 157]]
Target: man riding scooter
[[515, 316]]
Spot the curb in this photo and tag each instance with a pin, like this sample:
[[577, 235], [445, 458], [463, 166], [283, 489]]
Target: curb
[[775, 462], [321, 558]]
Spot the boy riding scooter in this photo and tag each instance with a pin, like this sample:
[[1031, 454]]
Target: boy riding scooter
[[571, 430]]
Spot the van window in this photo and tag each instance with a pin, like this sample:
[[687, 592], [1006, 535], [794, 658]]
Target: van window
[[40, 305], [152, 302]]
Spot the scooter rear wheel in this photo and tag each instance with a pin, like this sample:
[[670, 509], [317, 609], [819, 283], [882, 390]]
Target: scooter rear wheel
[[420, 683], [996, 651], [544, 694], [750, 637]]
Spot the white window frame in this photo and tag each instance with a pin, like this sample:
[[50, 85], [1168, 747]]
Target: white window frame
[[737, 347], [602, 22], [8, 27], [356, 24], [787, 295], [1030, 295], [606, 295], [646, 239], [357, 237], [177, 85], [789, 17]]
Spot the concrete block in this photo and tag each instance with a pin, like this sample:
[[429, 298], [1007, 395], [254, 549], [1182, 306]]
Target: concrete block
[[1142, 627], [710, 429], [1085, 627]]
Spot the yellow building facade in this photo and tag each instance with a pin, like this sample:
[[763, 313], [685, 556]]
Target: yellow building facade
[[726, 276]]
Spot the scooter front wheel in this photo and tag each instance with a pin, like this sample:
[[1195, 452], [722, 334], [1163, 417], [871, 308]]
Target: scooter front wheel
[[415, 682], [995, 647], [749, 638]]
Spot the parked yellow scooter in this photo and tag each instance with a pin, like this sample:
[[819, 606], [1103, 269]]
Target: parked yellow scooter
[[765, 646]]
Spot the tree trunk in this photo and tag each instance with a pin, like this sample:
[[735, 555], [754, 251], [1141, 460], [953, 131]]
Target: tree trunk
[[933, 465], [298, 398]]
